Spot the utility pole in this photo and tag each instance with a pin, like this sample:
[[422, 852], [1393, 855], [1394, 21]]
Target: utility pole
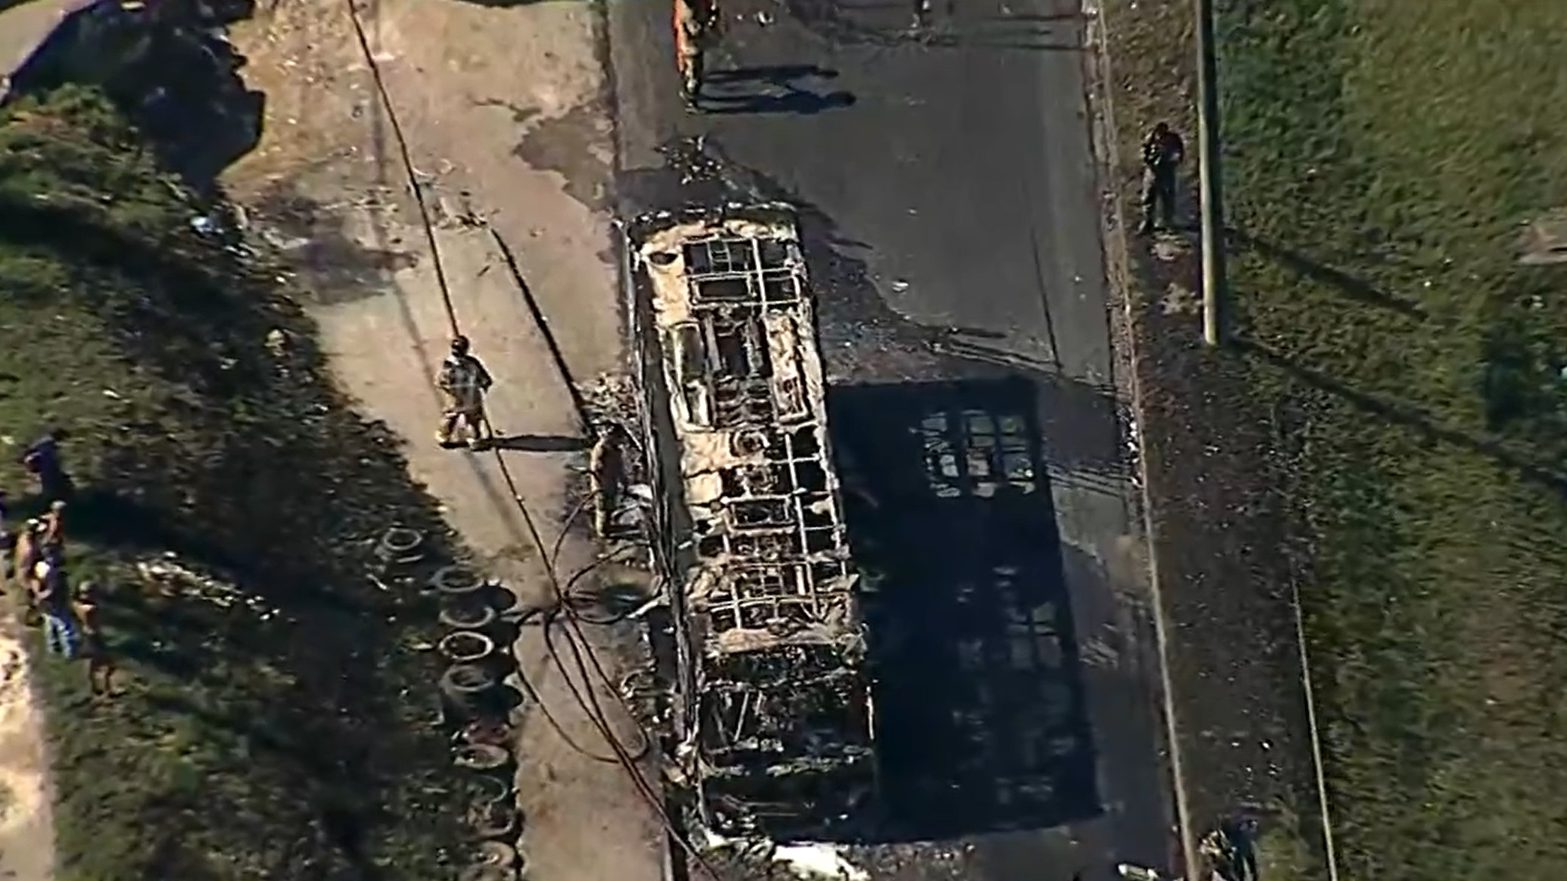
[[1213, 316]]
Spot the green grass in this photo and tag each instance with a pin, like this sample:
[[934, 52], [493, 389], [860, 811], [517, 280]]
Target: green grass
[[1281, 854], [1380, 158], [294, 745]]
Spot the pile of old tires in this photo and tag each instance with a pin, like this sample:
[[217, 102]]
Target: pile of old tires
[[478, 706]]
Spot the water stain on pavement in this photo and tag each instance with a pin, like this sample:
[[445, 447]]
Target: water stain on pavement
[[573, 146]]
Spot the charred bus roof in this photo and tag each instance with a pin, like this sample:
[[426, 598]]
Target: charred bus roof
[[780, 715]]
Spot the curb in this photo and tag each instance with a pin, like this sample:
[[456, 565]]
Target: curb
[[1116, 260]]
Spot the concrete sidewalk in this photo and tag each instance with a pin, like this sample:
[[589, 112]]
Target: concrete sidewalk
[[508, 130], [23, 26]]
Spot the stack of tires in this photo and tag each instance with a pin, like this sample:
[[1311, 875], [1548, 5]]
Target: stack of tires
[[478, 707]]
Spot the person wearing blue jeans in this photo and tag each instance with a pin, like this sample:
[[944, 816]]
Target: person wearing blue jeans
[[54, 601]]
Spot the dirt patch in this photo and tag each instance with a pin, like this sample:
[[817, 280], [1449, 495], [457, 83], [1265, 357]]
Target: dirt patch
[[26, 827]]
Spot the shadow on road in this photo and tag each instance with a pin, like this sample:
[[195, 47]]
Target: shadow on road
[[938, 25], [1357, 289], [534, 443], [979, 700], [776, 89]]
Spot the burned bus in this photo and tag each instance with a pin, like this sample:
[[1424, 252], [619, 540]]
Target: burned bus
[[773, 708]]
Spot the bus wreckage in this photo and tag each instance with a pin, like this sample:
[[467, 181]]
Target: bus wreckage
[[772, 702]]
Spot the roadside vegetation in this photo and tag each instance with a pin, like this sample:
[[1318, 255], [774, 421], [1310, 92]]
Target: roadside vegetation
[[282, 729], [1381, 161]]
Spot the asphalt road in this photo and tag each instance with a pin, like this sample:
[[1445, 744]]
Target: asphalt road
[[949, 205]]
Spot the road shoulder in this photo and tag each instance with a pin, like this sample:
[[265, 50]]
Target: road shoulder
[[1209, 463]]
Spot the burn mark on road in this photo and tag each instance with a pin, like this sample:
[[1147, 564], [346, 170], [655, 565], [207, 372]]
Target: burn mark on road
[[576, 145], [319, 242]]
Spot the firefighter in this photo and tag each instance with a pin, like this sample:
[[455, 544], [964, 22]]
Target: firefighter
[[463, 382], [696, 25], [606, 467], [1162, 154]]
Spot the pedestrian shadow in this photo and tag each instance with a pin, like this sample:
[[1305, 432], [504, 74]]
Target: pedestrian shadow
[[533, 443], [773, 89], [980, 40], [905, 23]]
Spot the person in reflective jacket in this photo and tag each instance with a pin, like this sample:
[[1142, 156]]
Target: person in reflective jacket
[[463, 382]]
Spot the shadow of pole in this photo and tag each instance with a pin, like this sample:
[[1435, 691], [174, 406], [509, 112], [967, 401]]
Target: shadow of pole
[[543, 324], [534, 443], [1354, 288], [1409, 417]]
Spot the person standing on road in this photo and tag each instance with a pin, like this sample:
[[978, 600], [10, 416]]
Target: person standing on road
[[463, 382], [42, 459], [1162, 154], [696, 26], [605, 469]]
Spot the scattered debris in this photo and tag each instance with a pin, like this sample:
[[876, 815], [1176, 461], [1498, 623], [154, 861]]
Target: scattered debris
[[181, 580], [819, 861], [1180, 300], [1168, 248], [1544, 240], [809, 861]]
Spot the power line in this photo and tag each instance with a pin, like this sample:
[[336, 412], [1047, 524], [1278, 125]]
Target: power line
[[408, 164]]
